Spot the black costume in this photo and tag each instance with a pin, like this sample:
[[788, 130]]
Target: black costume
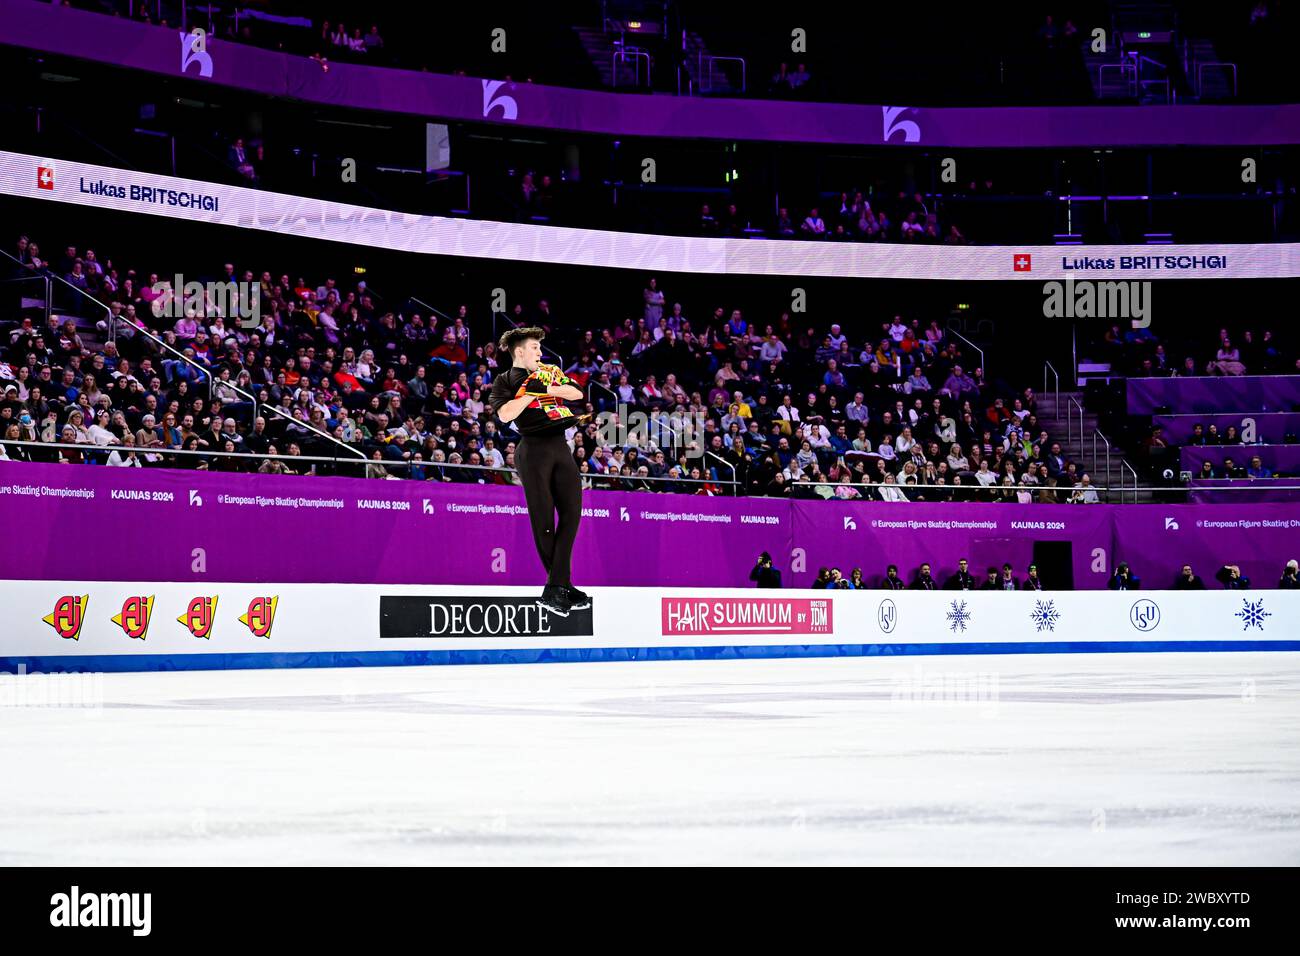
[[545, 464]]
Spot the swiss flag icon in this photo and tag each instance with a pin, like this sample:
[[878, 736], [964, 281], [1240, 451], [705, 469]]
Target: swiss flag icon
[[44, 177], [1022, 262]]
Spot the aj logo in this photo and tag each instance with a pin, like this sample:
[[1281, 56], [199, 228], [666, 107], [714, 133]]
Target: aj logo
[[199, 616], [67, 617], [134, 617], [260, 616]]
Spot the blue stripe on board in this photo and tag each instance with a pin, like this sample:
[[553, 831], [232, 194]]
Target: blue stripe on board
[[184, 662]]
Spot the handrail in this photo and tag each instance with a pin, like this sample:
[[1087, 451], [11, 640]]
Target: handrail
[[1056, 407], [1069, 423], [45, 278], [1096, 433], [713, 59], [1133, 471], [1200, 69], [201, 369], [105, 450], [94, 449], [593, 383], [636, 54], [469, 346], [735, 485], [975, 347]]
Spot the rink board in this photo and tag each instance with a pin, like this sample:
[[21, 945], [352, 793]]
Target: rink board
[[66, 625]]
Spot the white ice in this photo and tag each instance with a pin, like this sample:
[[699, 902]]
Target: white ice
[[1072, 759]]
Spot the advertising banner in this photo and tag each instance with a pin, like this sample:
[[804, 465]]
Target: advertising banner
[[173, 52], [105, 187]]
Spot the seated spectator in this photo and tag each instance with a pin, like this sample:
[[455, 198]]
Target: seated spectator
[[924, 582], [238, 158], [1032, 581], [961, 579], [1290, 580], [1084, 493], [814, 226], [1227, 361], [1188, 581]]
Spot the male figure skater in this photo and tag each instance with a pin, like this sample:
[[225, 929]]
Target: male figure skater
[[532, 395]]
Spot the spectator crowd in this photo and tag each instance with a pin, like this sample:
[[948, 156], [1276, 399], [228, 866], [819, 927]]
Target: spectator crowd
[[889, 408]]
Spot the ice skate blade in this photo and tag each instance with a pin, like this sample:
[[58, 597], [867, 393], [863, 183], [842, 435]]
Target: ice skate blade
[[553, 608]]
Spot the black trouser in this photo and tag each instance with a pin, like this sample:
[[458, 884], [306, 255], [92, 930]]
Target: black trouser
[[551, 484]]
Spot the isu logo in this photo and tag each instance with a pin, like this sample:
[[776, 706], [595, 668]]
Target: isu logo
[[200, 615], [68, 614], [260, 615], [44, 177], [134, 617]]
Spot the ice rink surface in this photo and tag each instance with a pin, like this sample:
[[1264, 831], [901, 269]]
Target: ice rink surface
[[1088, 759]]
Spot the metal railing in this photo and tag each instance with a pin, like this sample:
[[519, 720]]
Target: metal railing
[[1200, 75], [451, 323], [991, 491], [1096, 434], [975, 347], [1056, 389], [735, 485], [1123, 464], [700, 70], [104, 451], [45, 282], [636, 54], [1069, 423]]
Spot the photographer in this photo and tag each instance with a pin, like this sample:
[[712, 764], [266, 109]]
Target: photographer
[[763, 572], [1124, 579]]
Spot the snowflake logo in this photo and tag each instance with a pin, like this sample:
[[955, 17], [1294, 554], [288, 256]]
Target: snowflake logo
[[1044, 615], [1252, 614], [958, 617]]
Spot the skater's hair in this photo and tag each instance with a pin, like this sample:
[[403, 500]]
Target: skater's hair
[[514, 338]]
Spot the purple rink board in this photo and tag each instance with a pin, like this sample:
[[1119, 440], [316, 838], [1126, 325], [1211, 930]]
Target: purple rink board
[[157, 49], [1223, 490], [873, 535], [1269, 427], [307, 529], [1276, 458], [1246, 393], [95, 523], [1156, 540]]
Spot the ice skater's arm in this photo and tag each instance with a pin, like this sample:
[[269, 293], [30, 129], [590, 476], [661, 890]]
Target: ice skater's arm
[[569, 392], [513, 408]]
